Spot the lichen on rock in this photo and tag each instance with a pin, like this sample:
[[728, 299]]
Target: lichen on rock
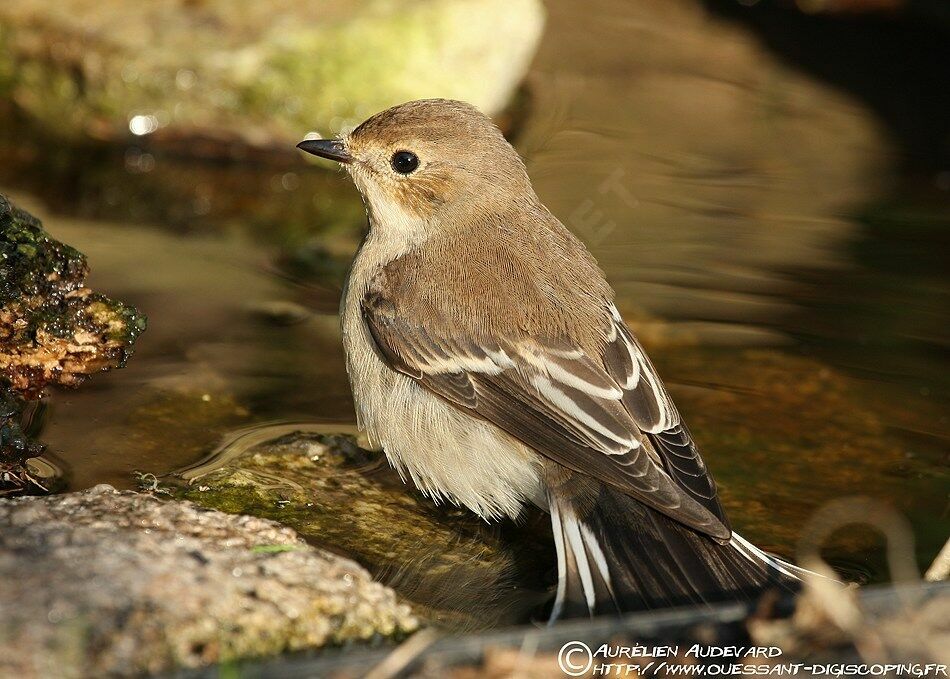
[[53, 329], [108, 583]]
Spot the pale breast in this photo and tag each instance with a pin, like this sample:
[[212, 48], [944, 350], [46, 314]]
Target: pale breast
[[448, 454]]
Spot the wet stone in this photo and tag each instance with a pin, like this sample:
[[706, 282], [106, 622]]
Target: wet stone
[[119, 583], [460, 572], [54, 331]]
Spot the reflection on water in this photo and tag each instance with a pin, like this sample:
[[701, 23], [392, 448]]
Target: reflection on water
[[743, 211], [240, 442]]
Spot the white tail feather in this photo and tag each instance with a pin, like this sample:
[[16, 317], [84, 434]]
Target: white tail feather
[[600, 560], [559, 547], [753, 553], [571, 534], [576, 543]]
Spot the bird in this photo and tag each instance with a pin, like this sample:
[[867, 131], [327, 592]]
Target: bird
[[488, 360]]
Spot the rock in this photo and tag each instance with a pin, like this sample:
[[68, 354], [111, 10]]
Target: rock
[[260, 74], [119, 583], [461, 572], [53, 329]]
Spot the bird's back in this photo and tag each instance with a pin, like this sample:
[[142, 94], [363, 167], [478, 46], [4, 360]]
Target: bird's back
[[525, 275]]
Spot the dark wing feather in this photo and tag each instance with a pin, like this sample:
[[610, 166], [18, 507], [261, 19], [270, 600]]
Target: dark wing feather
[[585, 413], [653, 410]]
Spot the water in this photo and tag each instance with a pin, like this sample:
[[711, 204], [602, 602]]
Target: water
[[784, 267]]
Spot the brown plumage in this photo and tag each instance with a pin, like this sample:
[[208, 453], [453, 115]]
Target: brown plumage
[[488, 360]]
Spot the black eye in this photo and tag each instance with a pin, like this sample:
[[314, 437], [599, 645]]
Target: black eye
[[404, 162]]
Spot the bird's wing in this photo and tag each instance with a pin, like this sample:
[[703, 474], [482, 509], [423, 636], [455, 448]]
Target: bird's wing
[[606, 416], [649, 404]]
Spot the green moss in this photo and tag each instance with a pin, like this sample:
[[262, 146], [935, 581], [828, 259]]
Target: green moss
[[41, 281], [275, 549], [26, 251]]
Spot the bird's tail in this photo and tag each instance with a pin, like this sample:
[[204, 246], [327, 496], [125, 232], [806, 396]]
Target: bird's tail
[[621, 555]]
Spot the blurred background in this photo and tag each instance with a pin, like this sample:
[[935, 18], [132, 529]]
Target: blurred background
[[766, 185]]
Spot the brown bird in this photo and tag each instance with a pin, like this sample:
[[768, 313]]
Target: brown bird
[[489, 362]]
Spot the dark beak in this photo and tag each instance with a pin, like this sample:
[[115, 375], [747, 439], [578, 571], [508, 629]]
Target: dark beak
[[331, 149]]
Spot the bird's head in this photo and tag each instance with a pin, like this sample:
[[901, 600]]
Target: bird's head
[[426, 159]]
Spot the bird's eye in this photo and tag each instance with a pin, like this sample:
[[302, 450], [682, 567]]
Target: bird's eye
[[405, 162]]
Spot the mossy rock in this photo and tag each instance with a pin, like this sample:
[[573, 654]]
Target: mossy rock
[[53, 330], [256, 74], [460, 572]]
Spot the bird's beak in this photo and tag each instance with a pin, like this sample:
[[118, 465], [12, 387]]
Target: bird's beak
[[332, 149]]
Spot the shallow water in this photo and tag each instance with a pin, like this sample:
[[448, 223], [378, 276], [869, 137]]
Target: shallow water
[[788, 279]]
